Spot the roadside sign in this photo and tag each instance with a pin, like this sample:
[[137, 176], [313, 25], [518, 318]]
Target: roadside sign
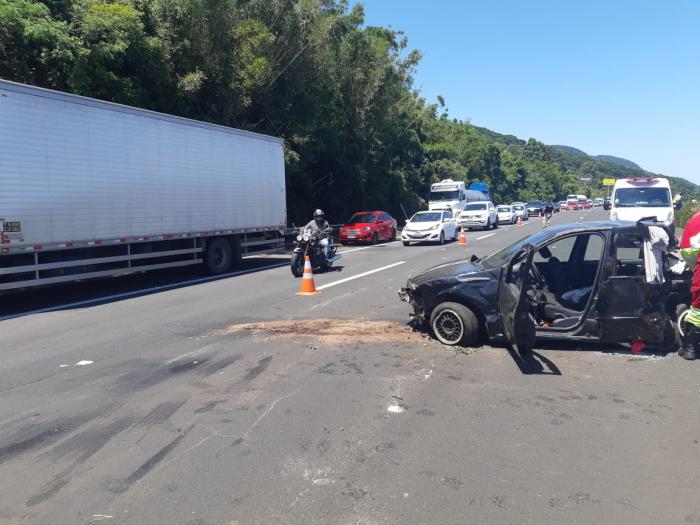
[[608, 182]]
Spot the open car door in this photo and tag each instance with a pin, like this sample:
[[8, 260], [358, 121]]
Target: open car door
[[513, 305]]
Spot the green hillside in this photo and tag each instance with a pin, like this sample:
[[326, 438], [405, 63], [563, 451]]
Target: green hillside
[[341, 94]]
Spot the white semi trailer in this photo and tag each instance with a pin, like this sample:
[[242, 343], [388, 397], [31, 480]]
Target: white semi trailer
[[94, 189]]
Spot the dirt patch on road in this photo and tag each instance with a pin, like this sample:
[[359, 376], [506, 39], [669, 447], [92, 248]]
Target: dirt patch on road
[[331, 331]]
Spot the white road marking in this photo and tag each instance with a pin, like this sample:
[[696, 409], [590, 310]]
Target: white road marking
[[396, 409], [84, 363], [358, 276], [485, 236]]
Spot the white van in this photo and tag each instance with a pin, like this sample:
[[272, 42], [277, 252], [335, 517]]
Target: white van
[[640, 197]]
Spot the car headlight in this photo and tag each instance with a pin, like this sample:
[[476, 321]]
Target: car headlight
[[434, 227], [669, 217], [306, 237], [367, 228], [298, 237]]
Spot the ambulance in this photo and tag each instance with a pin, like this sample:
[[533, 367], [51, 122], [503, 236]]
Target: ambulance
[[642, 198]]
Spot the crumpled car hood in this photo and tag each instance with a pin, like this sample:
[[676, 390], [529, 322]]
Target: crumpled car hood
[[445, 270]]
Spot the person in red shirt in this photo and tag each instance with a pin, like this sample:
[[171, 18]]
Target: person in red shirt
[[690, 250]]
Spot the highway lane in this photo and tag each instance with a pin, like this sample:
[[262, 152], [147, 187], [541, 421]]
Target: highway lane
[[172, 417]]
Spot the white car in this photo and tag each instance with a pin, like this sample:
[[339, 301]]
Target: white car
[[520, 212], [481, 214], [430, 226], [506, 214]]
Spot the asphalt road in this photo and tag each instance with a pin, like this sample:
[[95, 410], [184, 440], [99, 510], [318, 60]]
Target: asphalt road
[[142, 400]]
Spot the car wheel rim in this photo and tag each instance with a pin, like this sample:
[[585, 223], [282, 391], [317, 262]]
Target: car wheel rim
[[448, 327]]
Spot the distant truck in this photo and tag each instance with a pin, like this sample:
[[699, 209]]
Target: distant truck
[[453, 195], [94, 189]]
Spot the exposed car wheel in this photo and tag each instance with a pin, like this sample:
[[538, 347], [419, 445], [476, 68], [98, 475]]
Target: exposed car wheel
[[454, 324], [442, 237], [393, 236], [495, 225], [488, 224], [218, 256], [456, 234], [405, 243], [375, 238]]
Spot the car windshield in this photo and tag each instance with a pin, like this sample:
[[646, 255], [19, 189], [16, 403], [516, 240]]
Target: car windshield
[[472, 207], [426, 217], [504, 209], [504, 255], [534, 203], [518, 208], [642, 198], [444, 195], [364, 218]]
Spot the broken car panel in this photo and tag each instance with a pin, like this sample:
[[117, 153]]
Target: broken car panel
[[605, 282]]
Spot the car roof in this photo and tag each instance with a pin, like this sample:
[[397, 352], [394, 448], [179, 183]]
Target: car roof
[[368, 212]]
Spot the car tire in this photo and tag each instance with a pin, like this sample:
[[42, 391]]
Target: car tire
[[375, 238], [495, 225], [454, 324], [488, 224], [456, 235], [405, 243], [442, 238], [219, 256], [393, 236]]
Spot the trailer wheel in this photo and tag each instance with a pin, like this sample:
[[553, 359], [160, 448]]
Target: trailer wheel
[[218, 256]]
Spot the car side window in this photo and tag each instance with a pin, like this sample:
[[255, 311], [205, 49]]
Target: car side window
[[629, 255], [561, 249], [384, 217], [594, 248], [447, 215]]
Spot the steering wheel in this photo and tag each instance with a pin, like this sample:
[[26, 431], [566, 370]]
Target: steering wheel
[[537, 276]]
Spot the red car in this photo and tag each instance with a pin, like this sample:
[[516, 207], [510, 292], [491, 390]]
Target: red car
[[368, 226]]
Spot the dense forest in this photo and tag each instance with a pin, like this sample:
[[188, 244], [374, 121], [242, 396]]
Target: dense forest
[[358, 135]]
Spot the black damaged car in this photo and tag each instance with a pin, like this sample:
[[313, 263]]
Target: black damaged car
[[596, 282]]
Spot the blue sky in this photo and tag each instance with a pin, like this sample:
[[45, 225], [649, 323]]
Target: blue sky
[[616, 77]]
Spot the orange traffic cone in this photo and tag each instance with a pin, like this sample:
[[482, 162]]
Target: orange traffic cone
[[519, 222], [462, 238], [308, 287]]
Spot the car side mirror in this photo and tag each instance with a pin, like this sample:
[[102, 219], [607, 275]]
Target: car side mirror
[[606, 206], [677, 205]]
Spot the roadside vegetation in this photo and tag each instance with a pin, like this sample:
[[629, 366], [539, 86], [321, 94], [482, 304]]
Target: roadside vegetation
[[358, 135]]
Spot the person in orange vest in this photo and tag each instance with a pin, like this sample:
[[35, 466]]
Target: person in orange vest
[[690, 250]]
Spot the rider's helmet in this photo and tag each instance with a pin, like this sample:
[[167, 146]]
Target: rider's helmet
[[319, 216]]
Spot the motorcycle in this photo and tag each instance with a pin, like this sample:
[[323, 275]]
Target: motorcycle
[[307, 242]]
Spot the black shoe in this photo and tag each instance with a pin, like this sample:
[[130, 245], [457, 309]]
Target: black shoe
[[691, 339], [687, 353]]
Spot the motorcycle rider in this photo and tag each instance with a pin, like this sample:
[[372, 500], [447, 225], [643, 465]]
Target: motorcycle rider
[[319, 225], [690, 250]]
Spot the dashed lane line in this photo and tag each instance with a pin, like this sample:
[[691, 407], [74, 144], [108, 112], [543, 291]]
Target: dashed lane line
[[359, 275], [485, 236]]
